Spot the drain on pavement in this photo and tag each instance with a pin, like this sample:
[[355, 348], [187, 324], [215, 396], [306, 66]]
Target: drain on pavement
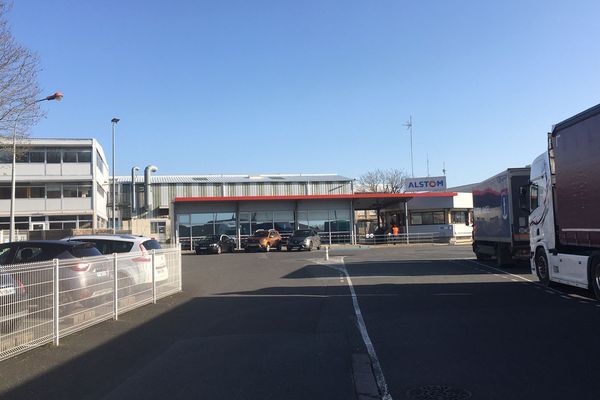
[[438, 392]]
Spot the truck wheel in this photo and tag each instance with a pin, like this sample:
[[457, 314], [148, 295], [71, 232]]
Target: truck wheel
[[482, 257], [541, 267], [595, 275]]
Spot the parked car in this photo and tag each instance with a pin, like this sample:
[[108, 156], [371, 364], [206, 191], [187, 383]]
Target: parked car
[[14, 305], [78, 279], [215, 244], [264, 240], [304, 239], [135, 270]]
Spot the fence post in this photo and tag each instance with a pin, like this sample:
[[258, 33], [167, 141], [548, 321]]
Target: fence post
[[180, 278], [56, 303], [115, 288], [153, 277]]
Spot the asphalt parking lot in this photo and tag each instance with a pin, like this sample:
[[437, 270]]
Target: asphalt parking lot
[[286, 326]]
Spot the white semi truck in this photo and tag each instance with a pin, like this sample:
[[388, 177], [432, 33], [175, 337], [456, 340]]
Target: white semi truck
[[564, 204]]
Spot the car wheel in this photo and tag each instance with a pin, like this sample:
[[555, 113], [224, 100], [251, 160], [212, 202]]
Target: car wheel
[[310, 246], [279, 246], [268, 247], [541, 267], [219, 249], [595, 281], [290, 248]]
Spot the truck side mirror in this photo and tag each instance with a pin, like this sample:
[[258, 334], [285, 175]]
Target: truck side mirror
[[524, 198]]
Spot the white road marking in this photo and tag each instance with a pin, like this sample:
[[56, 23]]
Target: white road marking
[[362, 327], [501, 271], [538, 285]]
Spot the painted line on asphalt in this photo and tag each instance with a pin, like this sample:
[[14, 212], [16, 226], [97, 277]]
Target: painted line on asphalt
[[501, 271], [362, 327], [537, 285]]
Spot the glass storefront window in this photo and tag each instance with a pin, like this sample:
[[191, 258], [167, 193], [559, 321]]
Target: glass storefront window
[[303, 222], [284, 221], [318, 219], [225, 223], [262, 220]]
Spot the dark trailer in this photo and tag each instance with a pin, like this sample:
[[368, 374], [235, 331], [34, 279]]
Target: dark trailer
[[574, 146]]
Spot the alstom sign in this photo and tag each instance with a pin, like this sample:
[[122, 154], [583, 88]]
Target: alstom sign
[[429, 184]]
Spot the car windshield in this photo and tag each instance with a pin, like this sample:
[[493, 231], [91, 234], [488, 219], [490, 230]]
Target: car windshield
[[302, 233], [261, 234]]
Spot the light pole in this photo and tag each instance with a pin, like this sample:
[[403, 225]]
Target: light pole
[[408, 126], [114, 122], [56, 96]]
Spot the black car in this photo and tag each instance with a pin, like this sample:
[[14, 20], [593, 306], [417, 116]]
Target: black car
[[215, 244], [78, 279], [304, 239]]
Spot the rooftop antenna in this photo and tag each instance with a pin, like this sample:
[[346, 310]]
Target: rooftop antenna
[[409, 126], [427, 164], [444, 168]]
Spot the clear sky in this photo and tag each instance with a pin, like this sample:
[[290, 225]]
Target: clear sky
[[314, 85]]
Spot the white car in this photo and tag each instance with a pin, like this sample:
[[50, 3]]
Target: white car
[[136, 270]]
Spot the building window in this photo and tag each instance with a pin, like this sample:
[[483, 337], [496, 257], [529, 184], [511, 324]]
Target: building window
[[53, 157], [459, 217], [70, 156], [85, 221], [53, 191], [37, 156], [4, 192], [427, 218], [158, 227], [5, 156], [84, 156], [99, 162], [69, 191], [30, 192]]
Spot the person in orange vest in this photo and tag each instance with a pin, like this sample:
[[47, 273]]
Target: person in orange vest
[[395, 232]]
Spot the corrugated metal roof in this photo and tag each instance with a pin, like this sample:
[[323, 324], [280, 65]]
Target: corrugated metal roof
[[237, 178]]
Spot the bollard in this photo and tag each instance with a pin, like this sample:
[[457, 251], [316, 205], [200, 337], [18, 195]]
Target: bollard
[[326, 252]]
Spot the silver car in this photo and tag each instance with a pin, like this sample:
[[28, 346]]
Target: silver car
[[304, 239], [136, 270]]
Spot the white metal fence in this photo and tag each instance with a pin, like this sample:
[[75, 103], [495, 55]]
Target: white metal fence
[[42, 302], [341, 238]]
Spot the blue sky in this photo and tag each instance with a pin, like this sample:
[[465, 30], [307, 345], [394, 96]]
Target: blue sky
[[314, 86]]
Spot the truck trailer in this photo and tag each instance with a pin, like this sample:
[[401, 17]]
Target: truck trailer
[[564, 204], [500, 225]]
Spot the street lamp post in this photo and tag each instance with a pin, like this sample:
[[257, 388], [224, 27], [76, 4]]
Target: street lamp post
[[409, 126], [56, 96], [114, 184]]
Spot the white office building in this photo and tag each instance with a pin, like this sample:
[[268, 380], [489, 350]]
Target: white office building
[[60, 184]]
